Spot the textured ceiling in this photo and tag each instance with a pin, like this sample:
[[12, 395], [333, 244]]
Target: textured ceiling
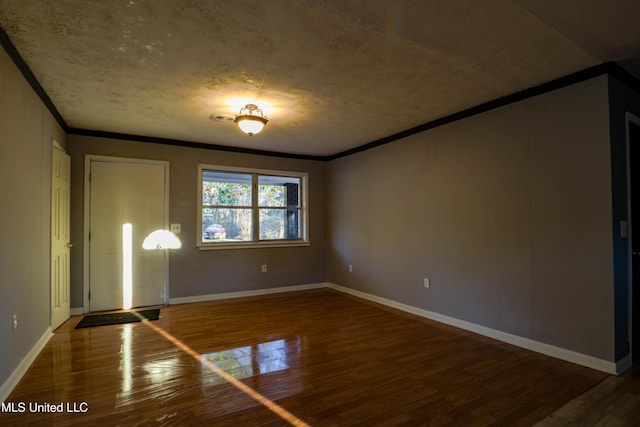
[[330, 75]]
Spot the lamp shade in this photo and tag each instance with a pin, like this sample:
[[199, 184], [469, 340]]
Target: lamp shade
[[161, 239]]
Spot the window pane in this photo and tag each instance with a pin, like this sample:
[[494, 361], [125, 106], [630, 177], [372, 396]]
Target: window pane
[[226, 189], [279, 224], [226, 225], [278, 191]]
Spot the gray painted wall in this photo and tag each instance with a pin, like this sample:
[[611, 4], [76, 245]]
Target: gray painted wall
[[193, 272], [507, 212], [26, 129]]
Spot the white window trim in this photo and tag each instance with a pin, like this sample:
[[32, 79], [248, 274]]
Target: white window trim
[[304, 211]]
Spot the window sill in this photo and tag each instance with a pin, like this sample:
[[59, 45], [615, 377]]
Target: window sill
[[252, 245]]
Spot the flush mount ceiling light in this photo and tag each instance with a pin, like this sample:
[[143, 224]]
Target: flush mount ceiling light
[[250, 120]]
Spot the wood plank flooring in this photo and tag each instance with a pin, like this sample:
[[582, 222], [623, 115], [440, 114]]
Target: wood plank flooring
[[320, 357], [614, 402]]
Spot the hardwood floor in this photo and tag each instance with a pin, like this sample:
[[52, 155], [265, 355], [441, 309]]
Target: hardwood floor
[[317, 358], [614, 402]]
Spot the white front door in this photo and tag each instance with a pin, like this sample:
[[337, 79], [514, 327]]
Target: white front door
[[127, 203], [60, 186]]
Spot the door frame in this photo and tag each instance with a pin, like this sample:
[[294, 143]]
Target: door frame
[[629, 120], [87, 209]]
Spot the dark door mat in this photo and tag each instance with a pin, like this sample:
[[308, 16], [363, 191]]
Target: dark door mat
[[118, 318]]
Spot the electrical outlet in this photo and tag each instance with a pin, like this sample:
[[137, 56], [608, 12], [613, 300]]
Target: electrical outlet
[[264, 268], [427, 283], [350, 268], [14, 321], [176, 228]]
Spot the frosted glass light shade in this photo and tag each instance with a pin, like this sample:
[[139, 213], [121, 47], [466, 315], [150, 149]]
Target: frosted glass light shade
[[250, 124]]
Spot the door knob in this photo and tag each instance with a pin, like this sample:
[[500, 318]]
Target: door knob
[[70, 245]]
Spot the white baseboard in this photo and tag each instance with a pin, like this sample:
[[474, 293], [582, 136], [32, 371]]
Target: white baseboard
[[24, 365], [76, 311], [529, 344], [624, 364], [241, 294]]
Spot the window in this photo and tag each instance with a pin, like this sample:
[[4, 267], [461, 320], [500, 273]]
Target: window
[[243, 207]]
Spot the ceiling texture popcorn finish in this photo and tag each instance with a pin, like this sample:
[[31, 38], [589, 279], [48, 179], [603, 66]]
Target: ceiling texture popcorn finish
[[331, 75]]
